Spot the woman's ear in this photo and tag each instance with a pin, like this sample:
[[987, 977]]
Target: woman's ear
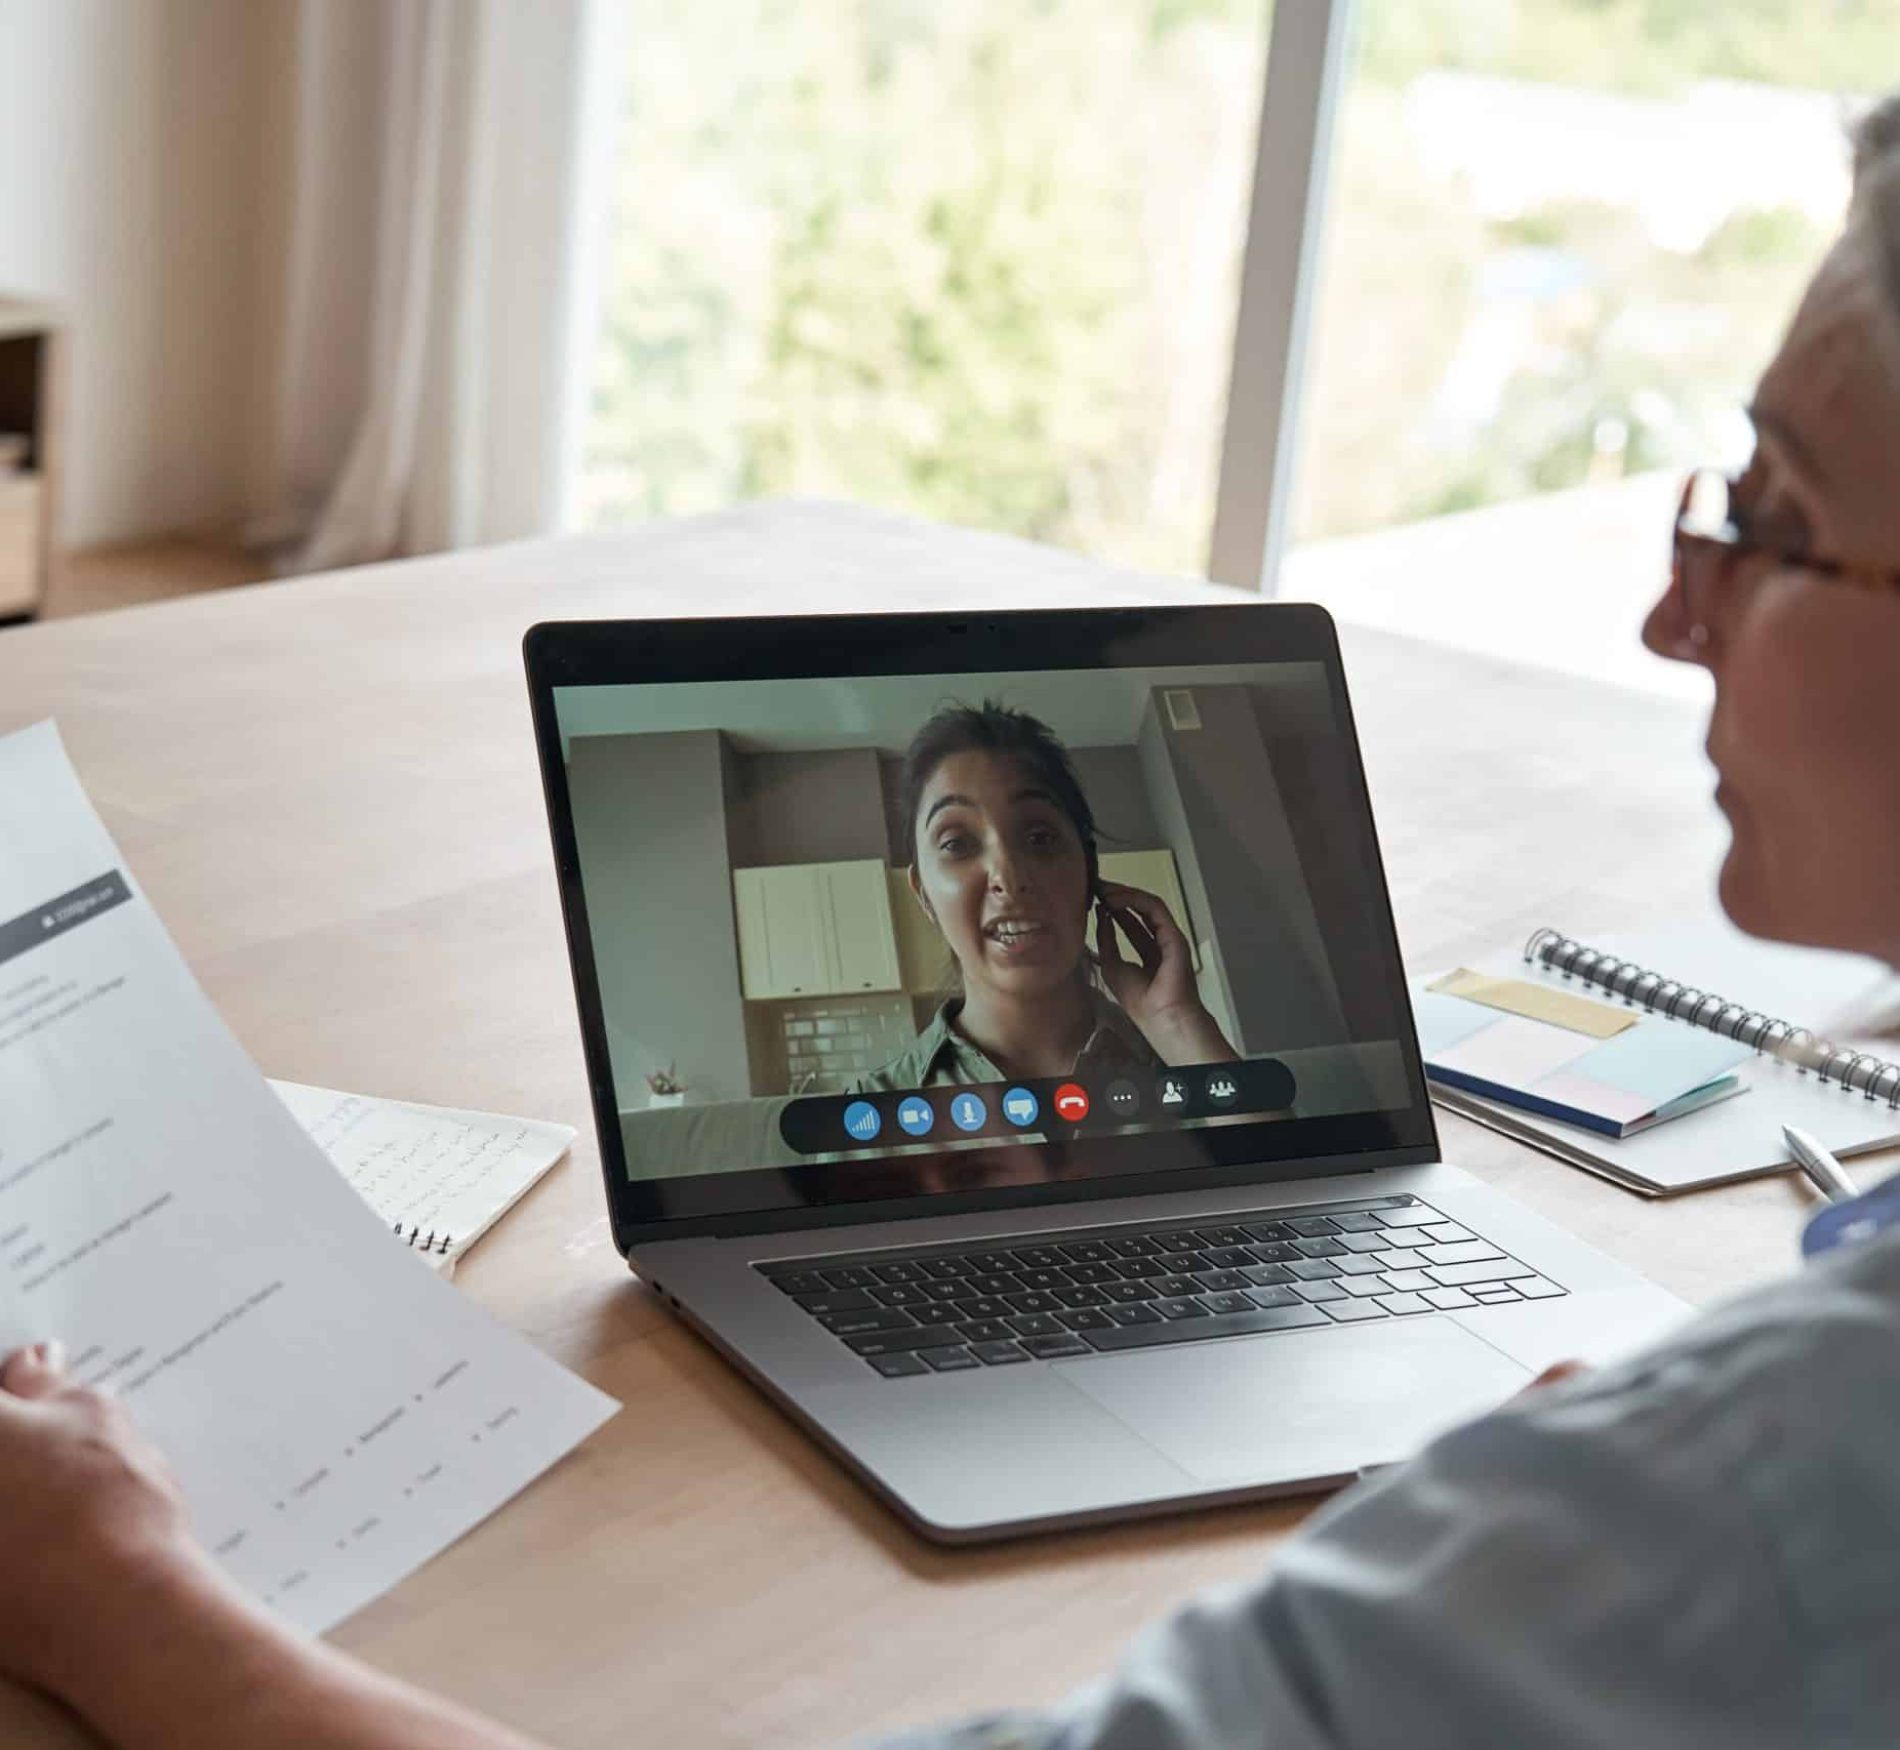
[[917, 893]]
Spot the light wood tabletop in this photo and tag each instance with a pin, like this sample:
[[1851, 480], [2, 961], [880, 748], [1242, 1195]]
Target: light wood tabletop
[[328, 788]]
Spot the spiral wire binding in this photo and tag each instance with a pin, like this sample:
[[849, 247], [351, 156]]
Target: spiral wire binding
[[417, 1240], [1852, 1071]]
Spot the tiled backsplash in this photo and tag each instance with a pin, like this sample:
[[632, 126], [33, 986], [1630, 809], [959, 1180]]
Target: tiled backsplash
[[830, 1040]]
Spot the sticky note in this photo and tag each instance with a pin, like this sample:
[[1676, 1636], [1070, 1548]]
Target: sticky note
[[1537, 1002]]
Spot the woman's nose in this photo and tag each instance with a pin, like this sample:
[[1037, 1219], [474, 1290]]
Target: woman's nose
[[1006, 874]]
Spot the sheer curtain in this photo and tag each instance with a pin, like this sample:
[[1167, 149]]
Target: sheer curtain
[[446, 191]]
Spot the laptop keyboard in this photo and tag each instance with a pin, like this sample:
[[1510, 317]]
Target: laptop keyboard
[[917, 1313]]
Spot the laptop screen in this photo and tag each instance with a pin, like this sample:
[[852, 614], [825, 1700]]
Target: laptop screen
[[864, 936]]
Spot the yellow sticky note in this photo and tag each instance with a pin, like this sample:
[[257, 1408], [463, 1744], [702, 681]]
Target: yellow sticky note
[[1538, 1002]]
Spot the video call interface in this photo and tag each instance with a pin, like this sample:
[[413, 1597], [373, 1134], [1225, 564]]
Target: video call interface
[[963, 922]]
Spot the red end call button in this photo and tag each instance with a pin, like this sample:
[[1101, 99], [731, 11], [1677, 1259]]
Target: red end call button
[[1071, 1103]]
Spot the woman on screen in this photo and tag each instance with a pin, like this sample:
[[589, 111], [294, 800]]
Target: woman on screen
[[1003, 863]]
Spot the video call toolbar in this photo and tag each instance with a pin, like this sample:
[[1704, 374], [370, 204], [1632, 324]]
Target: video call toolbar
[[1035, 1110]]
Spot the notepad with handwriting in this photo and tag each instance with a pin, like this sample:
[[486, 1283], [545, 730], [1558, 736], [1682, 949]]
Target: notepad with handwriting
[[440, 1177], [1685, 980]]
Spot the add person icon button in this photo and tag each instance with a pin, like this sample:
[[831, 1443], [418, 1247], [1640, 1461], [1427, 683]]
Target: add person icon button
[[1173, 1092], [916, 1115], [862, 1121], [967, 1112]]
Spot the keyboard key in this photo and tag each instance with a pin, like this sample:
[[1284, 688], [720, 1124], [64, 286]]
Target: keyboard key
[[1494, 1293], [1218, 1281], [985, 1331], [1086, 1252], [917, 1337], [1223, 1236], [1352, 1312], [1313, 1225], [902, 1294], [955, 1359], [1226, 1303], [1536, 1288], [872, 1318], [800, 1282], [1364, 1242], [1318, 1291], [985, 1306], [1049, 1348], [1096, 1273], [1275, 1318], [1412, 1215], [1364, 1287], [1463, 1275], [938, 1312], [1448, 1299], [1176, 1285], [897, 1366], [1134, 1315], [1410, 1281], [900, 1272], [1124, 1292], [849, 1276], [1042, 1325], [1230, 1257], [1357, 1221], [1033, 1303], [944, 1269], [1183, 1308], [1280, 1252], [1135, 1246], [1037, 1258], [1357, 1264], [1142, 1269], [1269, 1232], [995, 1282], [1179, 1240], [1043, 1279], [836, 1300], [1447, 1233], [1273, 1297], [1261, 1275], [1401, 1258], [1405, 1303], [1082, 1297], [983, 1262], [999, 1354], [1188, 1261], [1314, 1270], [1320, 1248], [1085, 1319], [1468, 1252]]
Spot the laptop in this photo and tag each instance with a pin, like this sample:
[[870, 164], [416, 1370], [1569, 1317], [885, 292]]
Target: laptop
[[1001, 1055]]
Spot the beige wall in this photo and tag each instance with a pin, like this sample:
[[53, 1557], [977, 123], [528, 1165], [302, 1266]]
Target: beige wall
[[136, 164]]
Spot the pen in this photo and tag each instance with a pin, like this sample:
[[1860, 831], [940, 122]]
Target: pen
[[1820, 1166]]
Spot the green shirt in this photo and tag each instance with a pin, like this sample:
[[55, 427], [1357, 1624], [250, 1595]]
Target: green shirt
[[942, 1057]]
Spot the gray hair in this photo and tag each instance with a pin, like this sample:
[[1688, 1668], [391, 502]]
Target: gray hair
[[1876, 205]]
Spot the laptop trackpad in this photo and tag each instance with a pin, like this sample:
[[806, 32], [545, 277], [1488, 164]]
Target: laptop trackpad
[[1299, 1405]]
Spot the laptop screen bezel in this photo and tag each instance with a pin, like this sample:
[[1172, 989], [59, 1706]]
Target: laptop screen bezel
[[581, 653]]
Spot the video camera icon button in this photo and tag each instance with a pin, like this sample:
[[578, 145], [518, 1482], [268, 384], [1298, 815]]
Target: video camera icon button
[[968, 1112], [916, 1115], [862, 1121], [1021, 1107]]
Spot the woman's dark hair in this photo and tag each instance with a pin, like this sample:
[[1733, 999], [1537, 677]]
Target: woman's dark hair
[[1003, 730]]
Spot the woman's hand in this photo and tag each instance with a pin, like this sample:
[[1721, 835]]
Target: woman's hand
[[88, 1514], [1156, 990]]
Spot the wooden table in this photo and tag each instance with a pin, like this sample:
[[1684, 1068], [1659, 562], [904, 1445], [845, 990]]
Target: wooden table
[[328, 788]]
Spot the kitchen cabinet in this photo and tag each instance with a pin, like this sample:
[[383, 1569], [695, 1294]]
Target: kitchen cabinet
[[815, 929]]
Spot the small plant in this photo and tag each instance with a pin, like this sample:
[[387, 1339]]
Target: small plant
[[665, 1081]]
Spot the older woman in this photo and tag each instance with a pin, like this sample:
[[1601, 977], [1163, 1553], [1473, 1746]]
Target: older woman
[[1697, 1548]]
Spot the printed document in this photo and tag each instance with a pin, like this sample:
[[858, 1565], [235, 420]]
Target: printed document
[[335, 1415]]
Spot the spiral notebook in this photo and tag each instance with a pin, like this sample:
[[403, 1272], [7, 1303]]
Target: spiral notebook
[[1695, 978]]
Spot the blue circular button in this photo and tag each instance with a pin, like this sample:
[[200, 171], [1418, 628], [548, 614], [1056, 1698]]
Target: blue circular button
[[916, 1115], [862, 1121], [1021, 1107], [967, 1112]]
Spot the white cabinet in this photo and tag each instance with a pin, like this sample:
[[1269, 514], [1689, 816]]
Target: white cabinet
[[815, 929]]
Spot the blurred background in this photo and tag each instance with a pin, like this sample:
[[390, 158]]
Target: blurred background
[[340, 280]]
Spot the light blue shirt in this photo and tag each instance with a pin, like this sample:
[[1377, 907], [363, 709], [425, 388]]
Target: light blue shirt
[[1698, 1549]]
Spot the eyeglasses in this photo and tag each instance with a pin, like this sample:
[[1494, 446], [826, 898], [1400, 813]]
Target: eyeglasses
[[1712, 532]]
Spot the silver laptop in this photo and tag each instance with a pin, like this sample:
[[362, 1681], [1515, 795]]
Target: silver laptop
[[1000, 1054]]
